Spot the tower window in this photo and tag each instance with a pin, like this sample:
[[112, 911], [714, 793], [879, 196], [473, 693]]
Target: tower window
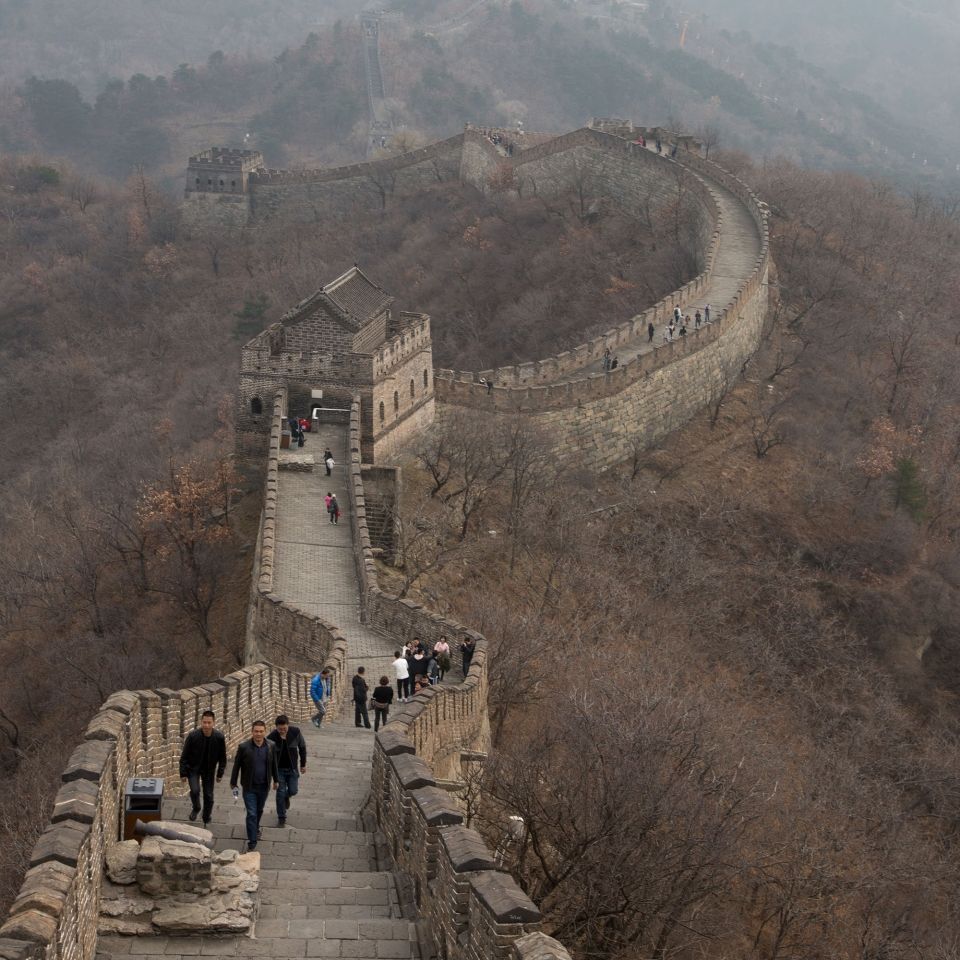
[[382, 412], [396, 401], [426, 381], [411, 388], [256, 406]]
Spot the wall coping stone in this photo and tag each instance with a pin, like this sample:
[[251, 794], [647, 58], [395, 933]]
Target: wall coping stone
[[412, 771], [466, 850], [502, 896], [436, 806]]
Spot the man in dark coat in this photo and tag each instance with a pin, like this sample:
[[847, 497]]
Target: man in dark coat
[[291, 750], [256, 767], [203, 758], [360, 690]]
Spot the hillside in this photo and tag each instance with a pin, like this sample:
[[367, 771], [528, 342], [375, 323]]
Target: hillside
[[550, 65]]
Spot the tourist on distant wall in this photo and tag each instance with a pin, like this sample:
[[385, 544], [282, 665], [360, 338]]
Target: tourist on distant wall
[[419, 663], [360, 715], [697, 319], [328, 461], [203, 759], [401, 670], [706, 313], [290, 748], [256, 767], [433, 670], [382, 698], [441, 650], [466, 654], [650, 332]]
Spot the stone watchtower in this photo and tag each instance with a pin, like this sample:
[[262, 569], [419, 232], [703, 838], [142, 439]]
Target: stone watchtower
[[343, 340], [218, 181]]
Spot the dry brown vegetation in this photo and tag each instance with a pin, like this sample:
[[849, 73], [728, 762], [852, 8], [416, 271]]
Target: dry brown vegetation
[[724, 685]]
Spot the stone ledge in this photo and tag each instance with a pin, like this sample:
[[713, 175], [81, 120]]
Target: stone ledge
[[499, 893], [538, 946], [466, 850], [437, 808], [393, 743], [412, 772], [77, 801], [88, 761], [18, 950], [61, 842]]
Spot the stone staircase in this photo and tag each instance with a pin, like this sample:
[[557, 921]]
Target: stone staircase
[[322, 892]]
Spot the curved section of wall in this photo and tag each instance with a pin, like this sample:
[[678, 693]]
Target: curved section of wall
[[596, 419]]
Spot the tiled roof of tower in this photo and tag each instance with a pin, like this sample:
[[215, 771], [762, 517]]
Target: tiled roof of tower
[[356, 296]]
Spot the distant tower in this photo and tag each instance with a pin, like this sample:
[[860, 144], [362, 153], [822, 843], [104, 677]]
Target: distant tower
[[217, 188]]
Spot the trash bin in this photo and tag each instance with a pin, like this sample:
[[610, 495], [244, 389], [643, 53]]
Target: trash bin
[[284, 439], [142, 800]]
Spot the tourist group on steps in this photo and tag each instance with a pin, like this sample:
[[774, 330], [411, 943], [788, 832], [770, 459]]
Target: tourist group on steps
[[277, 760]]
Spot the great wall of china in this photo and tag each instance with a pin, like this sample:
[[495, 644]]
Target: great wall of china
[[464, 905]]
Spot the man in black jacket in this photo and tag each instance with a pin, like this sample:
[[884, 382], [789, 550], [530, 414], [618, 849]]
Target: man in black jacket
[[256, 766], [290, 747], [204, 756], [360, 699]]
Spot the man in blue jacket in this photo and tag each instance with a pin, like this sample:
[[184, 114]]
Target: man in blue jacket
[[320, 687]]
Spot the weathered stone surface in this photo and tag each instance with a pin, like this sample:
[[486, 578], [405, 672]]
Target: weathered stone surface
[[30, 925], [106, 725], [45, 901], [18, 950], [88, 761], [412, 772], [538, 946], [121, 861], [173, 867], [199, 919], [51, 875], [394, 742], [76, 800], [225, 856], [466, 850], [436, 806], [60, 841], [503, 898], [196, 834]]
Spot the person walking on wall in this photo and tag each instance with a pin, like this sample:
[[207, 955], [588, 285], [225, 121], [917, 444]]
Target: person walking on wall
[[382, 698], [328, 461], [317, 693], [441, 650], [360, 689], [334, 509], [289, 745], [706, 313], [401, 670], [256, 767], [606, 360], [203, 759], [650, 332], [697, 319], [467, 649]]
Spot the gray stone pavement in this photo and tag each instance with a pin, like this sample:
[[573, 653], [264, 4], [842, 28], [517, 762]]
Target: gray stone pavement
[[321, 892], [314, 567]]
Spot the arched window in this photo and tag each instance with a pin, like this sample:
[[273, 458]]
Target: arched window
[[256, 406], [396, 401], [382, 412], [411, 388], [426, 380]]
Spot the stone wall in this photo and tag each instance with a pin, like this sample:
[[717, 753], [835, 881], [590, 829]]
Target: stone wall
[[136, 733], [468, 908], [312, 195], [596, 419]]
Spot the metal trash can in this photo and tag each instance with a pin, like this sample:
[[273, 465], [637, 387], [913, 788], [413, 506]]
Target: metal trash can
[[142, 800]]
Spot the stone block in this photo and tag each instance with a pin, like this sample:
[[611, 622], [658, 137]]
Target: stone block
[[499, 893], [60, 841], [466, 850], [412, 772], [30, 925], [76, 800], [18, 950], [121, 861], [436, 806], [393, 743], [88, 761], [538, 946]]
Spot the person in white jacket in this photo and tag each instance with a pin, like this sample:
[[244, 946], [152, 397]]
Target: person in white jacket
[[402, 670]]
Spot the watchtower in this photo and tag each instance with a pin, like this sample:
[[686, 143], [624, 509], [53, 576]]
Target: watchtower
[[222, 170], [343, 340]]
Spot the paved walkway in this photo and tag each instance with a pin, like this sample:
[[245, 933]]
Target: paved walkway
[[322, 894], [736, 256]]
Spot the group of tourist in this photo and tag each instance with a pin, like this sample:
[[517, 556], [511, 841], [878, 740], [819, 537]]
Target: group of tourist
[[277, 760], [680, 324]]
